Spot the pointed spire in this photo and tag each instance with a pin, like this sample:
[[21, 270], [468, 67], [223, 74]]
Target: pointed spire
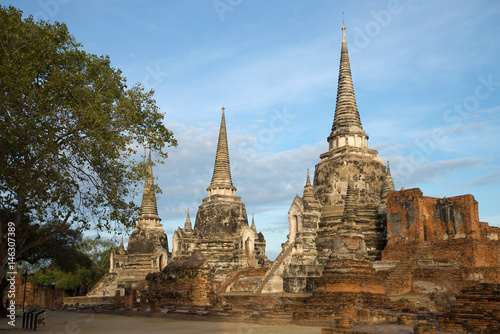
[[350, 210], [121, 248], [148, 205], [346, 120], [308, 188], [388, 184], [221, 178], [187, 223], [253, 224]]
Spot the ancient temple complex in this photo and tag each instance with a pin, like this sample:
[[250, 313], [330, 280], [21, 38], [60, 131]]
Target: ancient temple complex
[[353, 244], [147, 249], [221, 233]]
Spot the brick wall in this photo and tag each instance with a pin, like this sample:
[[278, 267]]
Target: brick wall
[[182, 283], [476, 309]]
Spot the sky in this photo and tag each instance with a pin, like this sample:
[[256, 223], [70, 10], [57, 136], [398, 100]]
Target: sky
[[426, 76]]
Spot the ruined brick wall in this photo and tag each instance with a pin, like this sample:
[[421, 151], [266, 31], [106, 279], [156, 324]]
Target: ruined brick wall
[[19, 292], [414, 217], [182, 283], [462, 252], [476, 310], [446, 229]]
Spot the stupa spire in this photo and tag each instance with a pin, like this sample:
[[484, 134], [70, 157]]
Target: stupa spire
[[149, 209], [308, 188], [121, 248], [347, 128], [254, 228], [187, 223], [388, 184], [221, 178]]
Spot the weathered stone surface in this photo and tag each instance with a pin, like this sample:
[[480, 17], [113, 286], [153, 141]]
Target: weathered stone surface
[[221, 233], [219, 216], [182, 283], [144, 241]]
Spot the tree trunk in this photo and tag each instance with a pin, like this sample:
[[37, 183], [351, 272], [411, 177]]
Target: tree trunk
[[3, 284]]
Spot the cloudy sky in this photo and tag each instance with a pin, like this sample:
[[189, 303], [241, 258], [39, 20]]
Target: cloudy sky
[[426, 76]]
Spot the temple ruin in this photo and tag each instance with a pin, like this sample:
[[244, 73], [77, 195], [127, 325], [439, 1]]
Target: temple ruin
[[221, 233], [356, 248], [147, 249]]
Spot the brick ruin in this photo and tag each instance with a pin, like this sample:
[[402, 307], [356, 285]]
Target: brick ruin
[[355, 251], [183, 283], [35, 296], [438, 245], [476, 310]]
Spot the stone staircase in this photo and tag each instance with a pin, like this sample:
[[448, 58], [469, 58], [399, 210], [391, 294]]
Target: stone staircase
[[399, 281], [287, 249], [230, 279], [248, 280]]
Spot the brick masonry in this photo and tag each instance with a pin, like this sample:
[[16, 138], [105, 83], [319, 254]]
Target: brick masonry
[[182, 283], [476, 310]]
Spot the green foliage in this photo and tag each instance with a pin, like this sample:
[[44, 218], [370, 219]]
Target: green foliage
[[97, 253], [70, 127]]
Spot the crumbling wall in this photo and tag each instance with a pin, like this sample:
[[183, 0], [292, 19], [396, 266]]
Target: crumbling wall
[[182, 283], [476, 310], [414, 217]]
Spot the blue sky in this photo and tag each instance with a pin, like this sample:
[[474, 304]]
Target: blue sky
[[426, 76]]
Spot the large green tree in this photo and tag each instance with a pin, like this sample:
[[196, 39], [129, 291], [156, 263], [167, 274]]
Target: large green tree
[[70, 131]]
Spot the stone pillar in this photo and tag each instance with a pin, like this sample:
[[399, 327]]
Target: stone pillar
[[117, 297], [129, 299], [144, 299], [154, 306], [134, 297]]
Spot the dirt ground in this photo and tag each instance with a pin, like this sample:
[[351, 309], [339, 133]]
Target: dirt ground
[[82, 323]]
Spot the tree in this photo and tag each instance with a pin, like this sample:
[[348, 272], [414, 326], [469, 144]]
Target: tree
[[96, 255], [70, 131]]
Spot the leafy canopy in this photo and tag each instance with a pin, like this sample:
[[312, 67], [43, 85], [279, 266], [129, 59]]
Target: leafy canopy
[[70, 128]]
